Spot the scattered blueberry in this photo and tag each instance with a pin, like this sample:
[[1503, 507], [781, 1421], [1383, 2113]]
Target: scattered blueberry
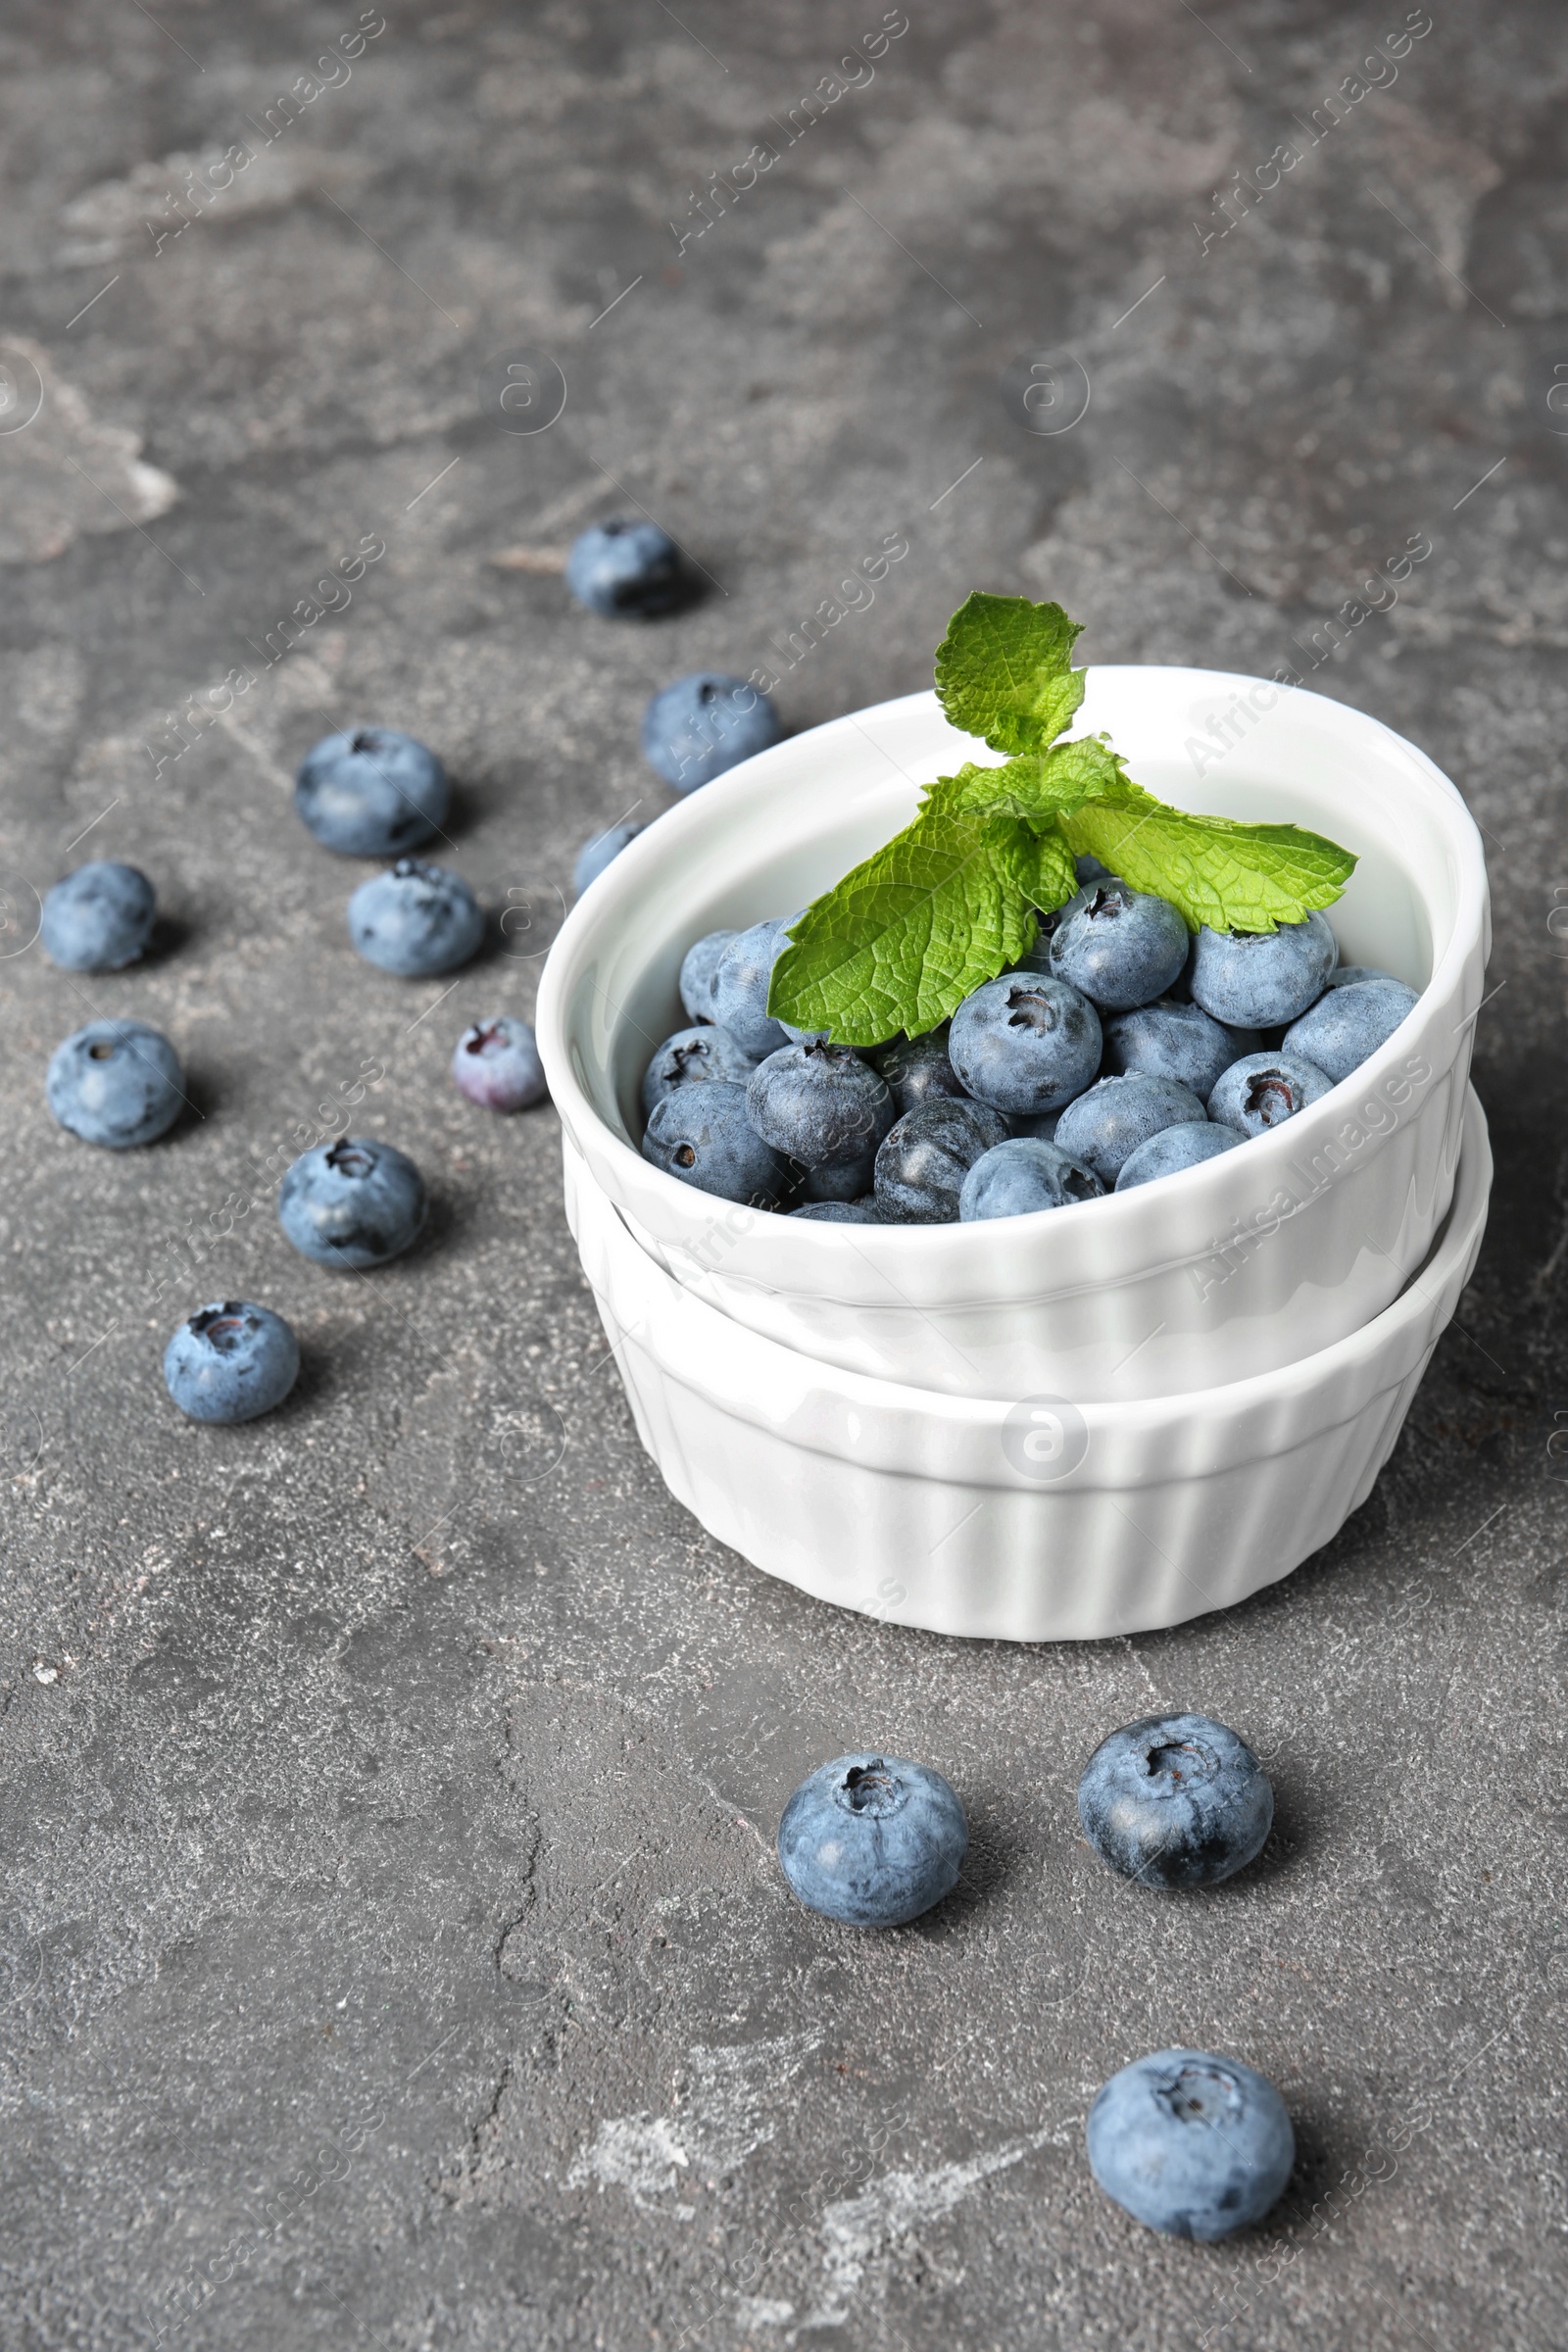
[[701, 725], [1022, 1175], [1105, 1127], [1174, 1149], [840, 1212], [116, 1083], [497, 1065], [701, 1053], [1168, 1040], [1118, 947], [917, 1068], [1263, 1090], [696, 969], [702, 1136], [1175, 1800], [1347, 1024], [818, 1101], [415, 919], [602, 851], [371, 792], [1191, 2144], [872, 1840], [924, 1159], [232, 1362], [1262, 979], [351, 1204], [625, 569], [99, 919], [738, 991], [1023, 1043]]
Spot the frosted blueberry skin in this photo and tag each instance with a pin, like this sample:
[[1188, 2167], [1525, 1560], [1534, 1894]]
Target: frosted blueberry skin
[[1347, 1025], [1174, 1149], [924, 1159], [371, 792], [1175, 1800], [230, 1362], [1118, 947], [818, 1101], [872, 1841], [1168, 1040], [1262, 979], [1025, 1043], [1105, 1127], [700, 1136], [917, 1069], [594, 855], [698, 967], [1022, 1175], [99, 919], [840, 1212], [415, 920], [738, 990], [117, 1084], [625, 571], [354, 1203], [496, 1063], [699, 1054], [1191, 2144], [699, 726], [1263, 1090]]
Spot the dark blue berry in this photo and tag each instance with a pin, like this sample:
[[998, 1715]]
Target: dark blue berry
[[496, 1063], [917, 1069], [1170, 1040], [371, 792], [1262, 979], [625, 569], [700, 1136], [738, 990], [1191, 2144], [1105, 1127], [1118, 947], [1024, 1042], [872, 1840], [924, 1159], [699, 1054], [1175, 1800], [696, 728], [1347, 1024], [99, 919], [1174, 1149], [698, 967], [818, 1101], [1022, 1175], [840, 1212], [116, 1083], [230, 1362], [353, 1204], [415, 920], [1263, 1090]]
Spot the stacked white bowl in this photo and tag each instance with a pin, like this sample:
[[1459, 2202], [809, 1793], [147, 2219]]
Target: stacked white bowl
[[1108, 1417]]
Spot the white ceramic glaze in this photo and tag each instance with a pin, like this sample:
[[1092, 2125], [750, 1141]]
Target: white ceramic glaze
[[1231, 1268], [1027, 1519]]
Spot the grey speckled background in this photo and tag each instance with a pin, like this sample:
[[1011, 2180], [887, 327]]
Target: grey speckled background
[[392, 1951]]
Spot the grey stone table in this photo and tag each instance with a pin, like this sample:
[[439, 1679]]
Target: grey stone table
[[392, 1952]]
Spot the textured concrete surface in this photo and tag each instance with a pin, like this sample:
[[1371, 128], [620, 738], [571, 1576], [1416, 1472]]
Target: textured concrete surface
[[392, 1952]]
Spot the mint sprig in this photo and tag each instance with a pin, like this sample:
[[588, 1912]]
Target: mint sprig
[[951, 902]]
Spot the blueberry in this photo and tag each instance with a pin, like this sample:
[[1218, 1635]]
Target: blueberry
[[1175, 1800], [495, 1064], [1105, 1127], [872, 1840], [818, 1101], [415, 920], [1262, 979], [840, 1212], [698, 967], [738, 991], [1090, 869], [351, 1204], [99, 919], [232, 1362], [116, 1083], [696, 728], [1118, 947], [924, 1159], [1174, 1149], [1345, 975], [1024, 1042], [917, 1069], [602, 851], [625, 569], [1263, 1090], [1191, 2144], [371, 792], [1041, 1125], [702, 1136], [1021, 1175], [1347, 1025], [835, 1181], [1168, 1040], [701, 1053]]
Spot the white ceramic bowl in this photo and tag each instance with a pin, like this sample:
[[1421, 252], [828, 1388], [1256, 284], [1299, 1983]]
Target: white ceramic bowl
[[1231, 1268], [1028, 1520]]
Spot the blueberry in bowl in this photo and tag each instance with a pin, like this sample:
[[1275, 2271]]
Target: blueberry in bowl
[[1025, 1043], [818, 1101], [230, 1362], [1263, 1090], [625, 571], [99, 919], [1105, 1125], [496, 1063], [1118, 947], [1172, 1039], [371, 792], [916, 1068], [1175, 1800], [924, 1159], [1021, 1176], [691, 1055], [1174, 1149], [696, 728], [702, 1136], [697, 969], [740, 977], [117, 1084], [1349, 1022], [1262, 979], [415, 920], [872, 1840], [354, 1203], [1191, 2144]]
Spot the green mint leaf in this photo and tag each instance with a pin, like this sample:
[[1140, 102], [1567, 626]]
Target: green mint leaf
[[1040, 867], [1005, 673], [1234, 877], [1036, 787]]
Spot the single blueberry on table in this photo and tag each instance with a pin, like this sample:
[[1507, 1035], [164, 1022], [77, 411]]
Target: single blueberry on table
[[840, 1212], [116, 1083], [1263, 1090], [99, 919], [872, 1840], [495, 1064], [818, 1101], [604, 848], [738, 990], [917, 1068], [1175, 1800], [1118, 947], [701, 1052], [231, 1361], [1105, 1127], [1022, 1175], [924, 1159], [1347, 1025], [415, 920], [1169, 1040], [353, 1204], [626, 571], [700, 1136], [371, 792], [696, 969], [1191, 2144], [1025, 1043], [1174, 1149], [696, 728], [1262, 979]]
